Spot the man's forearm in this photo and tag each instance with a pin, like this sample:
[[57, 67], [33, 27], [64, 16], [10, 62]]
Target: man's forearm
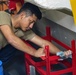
[[53, 48], [20, 45]]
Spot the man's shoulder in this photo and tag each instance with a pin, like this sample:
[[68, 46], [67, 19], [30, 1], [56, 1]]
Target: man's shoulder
[[5, 18], [3, 12]]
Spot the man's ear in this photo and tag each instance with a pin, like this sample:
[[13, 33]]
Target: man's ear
[[22, 15]]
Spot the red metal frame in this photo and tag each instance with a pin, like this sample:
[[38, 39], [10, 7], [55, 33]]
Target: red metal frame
[[49, 60]]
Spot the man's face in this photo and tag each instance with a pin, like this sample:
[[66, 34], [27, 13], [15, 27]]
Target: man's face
[[27, 23]]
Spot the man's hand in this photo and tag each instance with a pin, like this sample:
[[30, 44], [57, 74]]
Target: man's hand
[[67, 53], [40, 52]]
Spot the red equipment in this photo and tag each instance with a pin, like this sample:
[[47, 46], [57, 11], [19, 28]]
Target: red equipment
[[50, 60], [13, 4]]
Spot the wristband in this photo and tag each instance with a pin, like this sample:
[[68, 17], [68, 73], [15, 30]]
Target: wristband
[[61, 54]]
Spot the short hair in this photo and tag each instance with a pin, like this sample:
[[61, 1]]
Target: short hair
[[31, 9]]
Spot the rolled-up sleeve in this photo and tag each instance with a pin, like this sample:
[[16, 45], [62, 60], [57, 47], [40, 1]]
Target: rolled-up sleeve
[[5, 18], [28, 35]]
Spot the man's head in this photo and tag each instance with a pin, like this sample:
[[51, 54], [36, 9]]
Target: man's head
[[31, 9], [29, 13]]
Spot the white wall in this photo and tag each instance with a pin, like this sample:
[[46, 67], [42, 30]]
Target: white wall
[[61, 19], [58, 17]]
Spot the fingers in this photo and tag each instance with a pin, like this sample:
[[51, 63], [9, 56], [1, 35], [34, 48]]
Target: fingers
[[40, 52], [67, 53]]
